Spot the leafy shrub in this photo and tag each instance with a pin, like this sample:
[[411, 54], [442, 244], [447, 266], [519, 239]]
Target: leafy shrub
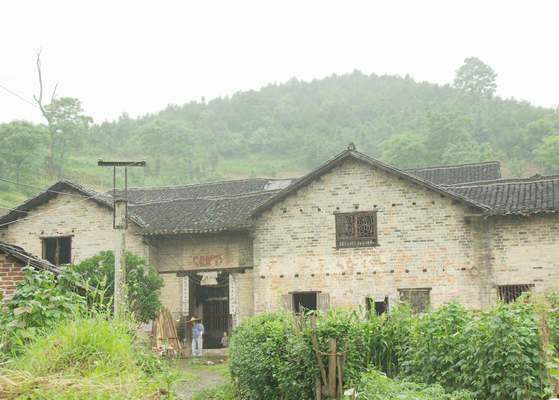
[[375, 385], [387, 338], [40, 302], [497, 354], [501, 357], [143, 282], [255, 354], [435, 342]]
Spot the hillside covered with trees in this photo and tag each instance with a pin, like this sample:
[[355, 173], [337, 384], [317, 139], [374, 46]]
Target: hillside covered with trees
[[286, 130]]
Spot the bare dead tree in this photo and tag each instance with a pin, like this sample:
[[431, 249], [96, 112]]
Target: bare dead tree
[[46, 114]]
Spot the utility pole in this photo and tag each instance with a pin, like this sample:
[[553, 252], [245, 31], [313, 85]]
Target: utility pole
[[120, 224]]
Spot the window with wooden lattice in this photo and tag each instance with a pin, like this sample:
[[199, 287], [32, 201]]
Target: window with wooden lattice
[[358, 229], [417, 298], [509, 293]]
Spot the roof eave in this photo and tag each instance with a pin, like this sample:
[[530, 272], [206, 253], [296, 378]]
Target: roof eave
[[173, 232], [22, 211]]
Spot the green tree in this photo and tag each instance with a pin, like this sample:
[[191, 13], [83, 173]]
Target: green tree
[[536, 131], [407, 150], [19, 142], [443, 130], [475, 76], [162, 137], [547, 154], [469, 151], [67, 127], [143, 282]]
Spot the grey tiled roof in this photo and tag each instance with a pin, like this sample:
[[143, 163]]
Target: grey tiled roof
[[203, 190], [539, 194], [199, 215], [205, 207], [453, 174]]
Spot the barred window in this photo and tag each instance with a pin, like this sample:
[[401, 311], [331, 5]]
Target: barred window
[[509, 293], [357, 229], [417, 298]]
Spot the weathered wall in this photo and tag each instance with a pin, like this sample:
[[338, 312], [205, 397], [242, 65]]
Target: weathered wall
[[89, 224], [241, 296], [171, 292], [10, 274], [204, 252], [226, 250], [424, 242], [525, 250]]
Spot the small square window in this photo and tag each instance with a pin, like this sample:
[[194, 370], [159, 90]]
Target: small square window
[[417, 298], [357, 229], [57, 250], [304, 301], [380, 306]]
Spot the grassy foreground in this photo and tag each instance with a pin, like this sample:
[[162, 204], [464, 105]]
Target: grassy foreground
[[87, 358]]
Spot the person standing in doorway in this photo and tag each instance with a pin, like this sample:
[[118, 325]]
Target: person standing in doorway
[[197, 337]]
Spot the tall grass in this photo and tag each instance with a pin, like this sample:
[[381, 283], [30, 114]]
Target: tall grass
[[93, 357]]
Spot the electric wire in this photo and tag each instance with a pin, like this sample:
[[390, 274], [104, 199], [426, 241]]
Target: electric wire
[[48, 211], [11, 208], [38, 188], [19, 96]]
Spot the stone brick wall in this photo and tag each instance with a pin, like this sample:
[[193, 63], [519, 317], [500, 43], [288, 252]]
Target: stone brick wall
[[89, 224], [424, 241], [226, 250], [525, 250], [171, 292], [241, 296], [10, 274]]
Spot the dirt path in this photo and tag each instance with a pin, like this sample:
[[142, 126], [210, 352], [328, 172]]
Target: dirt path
[[205, 378]]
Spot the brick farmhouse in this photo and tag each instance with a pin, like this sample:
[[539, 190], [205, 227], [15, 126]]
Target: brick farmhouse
[[354, 232]]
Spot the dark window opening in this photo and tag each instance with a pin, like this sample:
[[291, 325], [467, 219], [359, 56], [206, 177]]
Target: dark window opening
[[380, 306], [304, 301], [509, 293], [357, 229], [58, 250], [417, 298]]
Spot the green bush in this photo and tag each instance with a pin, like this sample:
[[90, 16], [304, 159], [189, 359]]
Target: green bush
[[256, 353], [502, 355], [40, 302], [143, 282], [435, 345], [495, 354], [375, 385], [387, 338]]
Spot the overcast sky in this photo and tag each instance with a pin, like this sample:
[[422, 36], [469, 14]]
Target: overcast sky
[[137, 57]]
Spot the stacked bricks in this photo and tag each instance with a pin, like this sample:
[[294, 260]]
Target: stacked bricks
[[10, 274]]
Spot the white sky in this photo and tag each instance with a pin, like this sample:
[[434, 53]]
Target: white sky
[[138, 56]]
